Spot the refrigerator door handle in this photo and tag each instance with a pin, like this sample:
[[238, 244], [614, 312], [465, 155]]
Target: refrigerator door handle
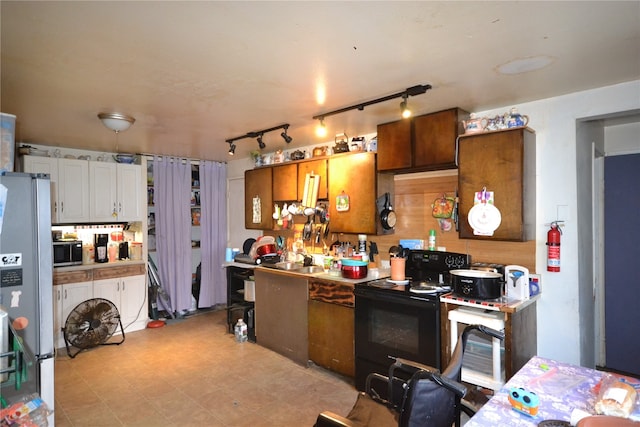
[[42, 357]]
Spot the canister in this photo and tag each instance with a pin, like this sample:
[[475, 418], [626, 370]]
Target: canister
[[135, 251]]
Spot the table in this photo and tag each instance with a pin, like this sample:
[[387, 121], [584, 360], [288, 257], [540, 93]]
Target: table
[[560, 387]]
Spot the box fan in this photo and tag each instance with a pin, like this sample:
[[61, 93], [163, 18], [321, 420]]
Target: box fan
[[90, 324]]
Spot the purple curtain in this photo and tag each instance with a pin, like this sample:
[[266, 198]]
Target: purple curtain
[[213, 228], [172, 188]]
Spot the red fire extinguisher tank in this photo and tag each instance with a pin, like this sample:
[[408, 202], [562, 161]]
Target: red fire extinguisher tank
[[553, 248]]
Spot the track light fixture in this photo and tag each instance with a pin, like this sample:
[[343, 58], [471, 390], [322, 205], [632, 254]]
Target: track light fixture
[[404, 109], [321, 129], [410, 91], [286, 137], [259, 135], [261, 144]]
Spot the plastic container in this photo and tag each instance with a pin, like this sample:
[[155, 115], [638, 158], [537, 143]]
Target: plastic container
[[240, 331], [354, 269], [135, 251], [249, 290], [7, 141]]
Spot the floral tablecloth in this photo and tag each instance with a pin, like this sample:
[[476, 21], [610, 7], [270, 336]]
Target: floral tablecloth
[[560, 387]]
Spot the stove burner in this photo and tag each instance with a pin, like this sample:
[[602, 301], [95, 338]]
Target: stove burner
[[428, 288]]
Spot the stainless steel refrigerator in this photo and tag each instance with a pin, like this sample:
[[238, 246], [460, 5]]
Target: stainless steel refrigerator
[[26, 285]]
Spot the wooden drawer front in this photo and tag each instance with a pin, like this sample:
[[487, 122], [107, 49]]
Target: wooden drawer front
[[332, 293], [115, 272], [62, 278]]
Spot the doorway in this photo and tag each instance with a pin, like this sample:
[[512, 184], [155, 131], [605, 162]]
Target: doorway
[[622, 251]]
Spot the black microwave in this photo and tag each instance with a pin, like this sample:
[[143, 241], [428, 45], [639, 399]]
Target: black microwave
[[67, 253]]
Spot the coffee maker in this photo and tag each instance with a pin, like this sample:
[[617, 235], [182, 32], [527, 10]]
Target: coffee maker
[[100, 242]]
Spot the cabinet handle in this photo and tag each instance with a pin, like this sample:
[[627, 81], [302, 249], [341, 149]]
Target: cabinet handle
[[120, 207], [59, 294], [123, 286], [115, 210], [62, 207], [65, 294], [55, 207]]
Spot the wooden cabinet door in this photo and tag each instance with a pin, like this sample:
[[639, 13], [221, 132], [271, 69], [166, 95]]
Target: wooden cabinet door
[[353, 175], [496, 160], [317, 167], [331, 337], [285, 183], [394, 145], [257, 186], [435, 139]]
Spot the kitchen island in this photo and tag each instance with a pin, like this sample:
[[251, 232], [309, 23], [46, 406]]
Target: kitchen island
[[308, 316]]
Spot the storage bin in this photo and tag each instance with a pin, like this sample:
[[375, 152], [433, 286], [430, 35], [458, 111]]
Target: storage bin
[[7, 141]]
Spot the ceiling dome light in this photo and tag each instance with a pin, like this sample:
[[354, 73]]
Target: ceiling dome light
[[321, 129], [406, 112], [116, 122]]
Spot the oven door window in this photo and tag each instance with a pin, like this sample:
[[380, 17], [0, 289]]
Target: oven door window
[[402, 328]]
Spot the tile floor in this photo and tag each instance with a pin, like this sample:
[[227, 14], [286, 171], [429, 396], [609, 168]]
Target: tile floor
[[192, 373]]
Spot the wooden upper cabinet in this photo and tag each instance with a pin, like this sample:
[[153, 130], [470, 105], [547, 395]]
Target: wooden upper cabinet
[[317, 167], [504, 162], [426, 142], [258, 187], [434, 137], [353, 175], [285, 183], [394, 145]]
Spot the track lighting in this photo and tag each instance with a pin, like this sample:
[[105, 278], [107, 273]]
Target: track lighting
[[261, 144], [232, 148], [410, 91], [321, 129], [286, 137], [259, 135], [404, 109]]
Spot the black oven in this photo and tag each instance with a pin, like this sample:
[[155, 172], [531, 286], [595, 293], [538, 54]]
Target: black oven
[[403, 320], [388, 326]]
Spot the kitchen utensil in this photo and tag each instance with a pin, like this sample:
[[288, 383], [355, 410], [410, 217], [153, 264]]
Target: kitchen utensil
[[516, 282], [306, 231], [297, 155], [319, 151], [484, 218], [246, 246], [477, 284], [342, 144], [395, 251], [373, 250], [388, 215]]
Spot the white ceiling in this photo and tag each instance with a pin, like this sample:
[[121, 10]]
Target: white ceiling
[[194, 74]]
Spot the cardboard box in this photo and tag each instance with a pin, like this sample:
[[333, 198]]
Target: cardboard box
[[412, 243], [7, 141]]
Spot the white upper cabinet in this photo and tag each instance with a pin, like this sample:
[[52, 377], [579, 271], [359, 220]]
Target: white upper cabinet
[[116, 191], [69, 186]]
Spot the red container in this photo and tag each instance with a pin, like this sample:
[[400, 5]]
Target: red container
[[267, 249], [354, 269]]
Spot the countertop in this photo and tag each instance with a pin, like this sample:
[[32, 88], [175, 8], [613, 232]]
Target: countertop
[[371, 275], [95, 265]]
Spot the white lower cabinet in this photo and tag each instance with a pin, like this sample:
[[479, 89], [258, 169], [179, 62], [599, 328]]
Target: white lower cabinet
[[125, 287], [66, 298], [128, 294]]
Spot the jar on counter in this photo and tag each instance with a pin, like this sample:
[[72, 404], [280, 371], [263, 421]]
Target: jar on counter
[[135, 251], [87, 254], [112, 252]]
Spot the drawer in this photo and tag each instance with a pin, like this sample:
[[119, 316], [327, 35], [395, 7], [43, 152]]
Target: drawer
[[62, 278]]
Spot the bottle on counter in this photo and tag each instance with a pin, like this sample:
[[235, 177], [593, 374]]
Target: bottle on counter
[[240, 331], [432, 240]]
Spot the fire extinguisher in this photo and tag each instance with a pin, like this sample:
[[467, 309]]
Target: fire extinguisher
[[553, 248]]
